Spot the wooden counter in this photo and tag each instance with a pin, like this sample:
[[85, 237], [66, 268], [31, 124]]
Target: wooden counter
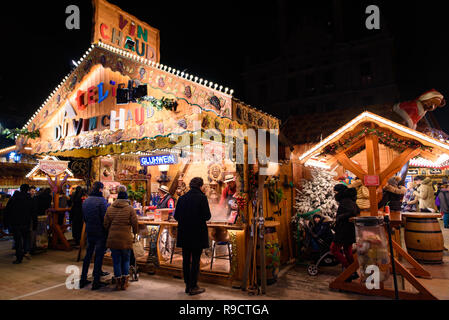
[[175, 224]]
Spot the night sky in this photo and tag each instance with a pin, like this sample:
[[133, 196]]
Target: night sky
[[210, 39]]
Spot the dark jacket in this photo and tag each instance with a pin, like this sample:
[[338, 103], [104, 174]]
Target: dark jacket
[[76, 212], [192, 212], [94, 209], [393, 196], [19, 210], [321, 230], [347, 208], [119, 220], [443, 195], [43, 203]]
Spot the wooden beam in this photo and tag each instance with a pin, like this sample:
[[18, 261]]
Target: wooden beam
[[376, 154], [417, 270], [398, 163], [332, 161], [429, 155], [355, 145], [350, 165], [359, 287], [369, 142]]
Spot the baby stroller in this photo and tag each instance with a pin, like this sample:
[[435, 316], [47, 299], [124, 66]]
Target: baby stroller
[[319, 248]]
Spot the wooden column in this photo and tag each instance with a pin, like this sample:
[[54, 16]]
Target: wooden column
[[376, 154], [370, 160]]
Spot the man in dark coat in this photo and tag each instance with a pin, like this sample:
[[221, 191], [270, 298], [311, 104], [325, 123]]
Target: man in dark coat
[[19, 218], [94, 210], [192, 212], [344, 229]]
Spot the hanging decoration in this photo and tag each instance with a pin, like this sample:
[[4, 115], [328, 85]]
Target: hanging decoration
[[253, 185], [159, 104], [275, 194], [242, 200], [386, 139], [12, 133]]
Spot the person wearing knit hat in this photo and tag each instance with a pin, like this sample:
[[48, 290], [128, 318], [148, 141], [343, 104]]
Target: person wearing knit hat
[[122, 194], [344, 237], [119, 221], [340, 187]]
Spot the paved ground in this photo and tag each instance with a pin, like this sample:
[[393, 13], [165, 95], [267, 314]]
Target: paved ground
[[43, 277]]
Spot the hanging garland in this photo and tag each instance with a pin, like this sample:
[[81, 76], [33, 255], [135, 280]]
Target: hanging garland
[[274, 194], [252, 182], [355, 151], [159, 104], [386, 139], [242, 200], [12, 133]]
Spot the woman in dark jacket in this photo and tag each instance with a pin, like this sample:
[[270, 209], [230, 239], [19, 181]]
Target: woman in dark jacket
[[344, 229], [76, 214], [192, 211]]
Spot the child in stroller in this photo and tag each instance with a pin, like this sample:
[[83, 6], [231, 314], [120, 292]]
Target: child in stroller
[[319, 236]]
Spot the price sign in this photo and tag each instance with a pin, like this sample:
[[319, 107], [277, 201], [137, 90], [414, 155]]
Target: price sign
[[371, 180]]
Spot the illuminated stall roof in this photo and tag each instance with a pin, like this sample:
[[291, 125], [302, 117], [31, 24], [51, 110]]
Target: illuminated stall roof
[[217, 109], [36, 174], [434, 148]]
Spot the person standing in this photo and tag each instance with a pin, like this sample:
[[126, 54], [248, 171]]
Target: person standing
[[94, 210], [34, 198], [19, 218], [192, 211], [393, 194], [409, 201], [119, 220], [76, 214], [443, 196], [228, 193], [344, 229], [43, 201], [165, 199], [426, 196]]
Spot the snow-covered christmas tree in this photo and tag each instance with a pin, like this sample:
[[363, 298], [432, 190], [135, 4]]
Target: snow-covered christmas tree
[[317, 193]]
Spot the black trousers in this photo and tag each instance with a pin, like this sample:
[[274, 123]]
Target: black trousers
[[22, 240], [191, 266], [77, 228]]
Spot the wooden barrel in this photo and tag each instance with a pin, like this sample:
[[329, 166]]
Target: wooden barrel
[[423, 237], [272, 253]]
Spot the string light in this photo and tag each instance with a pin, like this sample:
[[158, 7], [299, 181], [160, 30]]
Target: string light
[[371, 116]]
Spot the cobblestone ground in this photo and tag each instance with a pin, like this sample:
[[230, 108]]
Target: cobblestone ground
[[43, 277]]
